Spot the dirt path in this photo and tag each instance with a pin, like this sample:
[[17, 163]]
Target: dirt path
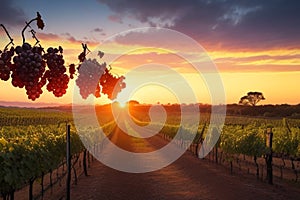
[[187, 178]]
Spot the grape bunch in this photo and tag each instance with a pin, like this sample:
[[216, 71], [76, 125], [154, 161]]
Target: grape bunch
[[5, 64], [56, 74], [88, 78], [112, 85], [33, 68], [28, 70], [89, 82]]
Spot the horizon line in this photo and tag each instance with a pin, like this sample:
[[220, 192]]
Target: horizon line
[[20, 104]]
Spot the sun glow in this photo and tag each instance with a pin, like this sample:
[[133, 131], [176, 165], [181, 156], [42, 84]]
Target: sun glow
[[122, 104]]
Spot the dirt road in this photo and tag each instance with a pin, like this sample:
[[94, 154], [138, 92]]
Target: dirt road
[[187, 178]]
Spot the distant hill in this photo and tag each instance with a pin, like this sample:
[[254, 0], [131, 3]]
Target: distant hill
[[268, 111], [28, 104], [265, 111]]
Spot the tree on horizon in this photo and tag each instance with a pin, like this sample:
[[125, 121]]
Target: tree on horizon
[[252, 98]]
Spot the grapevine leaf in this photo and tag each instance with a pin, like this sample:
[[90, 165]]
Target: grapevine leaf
[[100, 54], [40, 23]]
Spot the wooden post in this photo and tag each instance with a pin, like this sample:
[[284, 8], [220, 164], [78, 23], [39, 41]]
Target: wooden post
[[269, 156], [68, 157]]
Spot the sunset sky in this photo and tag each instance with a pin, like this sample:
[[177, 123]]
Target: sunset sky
[[254, 44]]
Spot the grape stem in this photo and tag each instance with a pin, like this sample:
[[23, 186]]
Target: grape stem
[[10, 38], [34, 37], [27, 25], [84, 46]]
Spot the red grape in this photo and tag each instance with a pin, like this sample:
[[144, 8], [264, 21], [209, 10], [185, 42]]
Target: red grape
[[5, 64], [89, 82], [57, 78], [88, 78], [28, 70]]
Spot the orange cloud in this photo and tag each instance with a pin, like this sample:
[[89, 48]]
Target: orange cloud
[[263, 60]]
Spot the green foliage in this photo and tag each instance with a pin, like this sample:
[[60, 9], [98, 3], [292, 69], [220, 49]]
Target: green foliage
[[36, 145], [26, 116], [286, 142], [240, 135], [251, 144], [33, 151]]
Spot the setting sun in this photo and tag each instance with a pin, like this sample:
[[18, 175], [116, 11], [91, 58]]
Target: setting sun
[[122, 104]]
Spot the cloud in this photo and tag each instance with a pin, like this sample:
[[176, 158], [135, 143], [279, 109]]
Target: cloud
[[145, 11], [155, 39], [72, 39], [228, 24], [65, 37], [236, 14], [10, 14], [115, 18], [48, 36], [100, 30]]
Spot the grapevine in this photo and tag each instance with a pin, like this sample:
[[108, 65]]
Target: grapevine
[[29, 151], [32, 68], [88, 79]]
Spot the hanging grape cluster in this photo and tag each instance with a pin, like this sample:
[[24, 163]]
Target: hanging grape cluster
[[56, 75], [89, 73], [95, 78], [27, 70], [32, 68], [111, 85], [5, 64]]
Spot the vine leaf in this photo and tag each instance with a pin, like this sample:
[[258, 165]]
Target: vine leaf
[[40, 23], [100, 54]]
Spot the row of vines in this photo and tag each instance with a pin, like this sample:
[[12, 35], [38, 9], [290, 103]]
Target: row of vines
[[240, 136], [28, 152]]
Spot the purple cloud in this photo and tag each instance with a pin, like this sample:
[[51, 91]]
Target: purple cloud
[[99, 30], [229, 24], [10, 14], [115, 18]]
